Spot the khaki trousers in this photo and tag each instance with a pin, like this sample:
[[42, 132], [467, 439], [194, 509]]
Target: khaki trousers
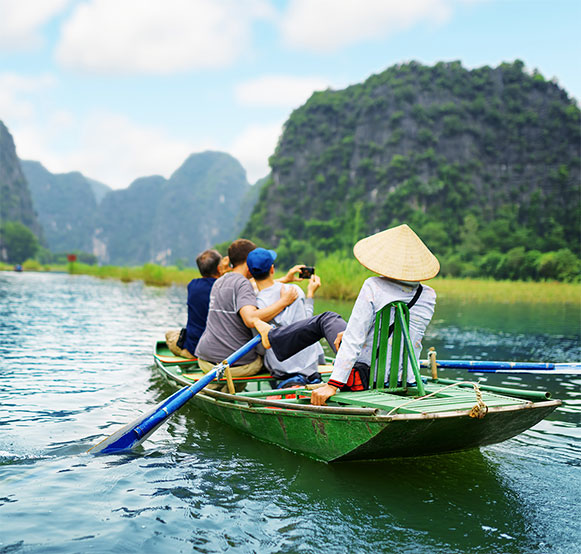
[[171, 338], [246, 370]]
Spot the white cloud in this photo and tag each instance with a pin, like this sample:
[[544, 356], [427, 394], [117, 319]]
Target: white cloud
[[254, 146], [279, 90], [328, 25], [115, 150], [20, 21], [17, 94], [104, 146], [158, 37]]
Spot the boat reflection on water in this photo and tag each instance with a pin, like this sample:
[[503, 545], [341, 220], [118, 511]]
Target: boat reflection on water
[[460, 502]]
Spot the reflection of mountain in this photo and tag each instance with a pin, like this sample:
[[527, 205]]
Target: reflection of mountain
[[15, 200]]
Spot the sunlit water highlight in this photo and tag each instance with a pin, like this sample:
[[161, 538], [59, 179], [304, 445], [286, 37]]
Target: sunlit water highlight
[[75, 363]]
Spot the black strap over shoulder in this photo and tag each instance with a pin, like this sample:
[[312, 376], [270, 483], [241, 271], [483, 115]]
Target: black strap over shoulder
[[409, 305]]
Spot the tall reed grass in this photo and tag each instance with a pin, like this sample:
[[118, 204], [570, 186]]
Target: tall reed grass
[[342, 278], [150, 274]]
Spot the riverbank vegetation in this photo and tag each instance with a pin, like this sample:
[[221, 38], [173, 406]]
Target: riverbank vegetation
[[342, 278]]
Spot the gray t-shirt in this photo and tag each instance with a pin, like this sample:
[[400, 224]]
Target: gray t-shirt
[[225, 331]]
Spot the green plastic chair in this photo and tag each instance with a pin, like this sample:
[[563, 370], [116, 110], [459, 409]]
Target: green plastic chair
[[400, 339]]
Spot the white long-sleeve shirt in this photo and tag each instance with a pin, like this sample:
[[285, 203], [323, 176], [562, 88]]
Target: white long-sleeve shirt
[[375, 294], [306, 361]]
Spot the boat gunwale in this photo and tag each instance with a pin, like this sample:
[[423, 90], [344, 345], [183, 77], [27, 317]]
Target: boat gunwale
[[230, 401], [369, 414]]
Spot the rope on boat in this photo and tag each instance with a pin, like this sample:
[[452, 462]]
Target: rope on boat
[[479, 410]]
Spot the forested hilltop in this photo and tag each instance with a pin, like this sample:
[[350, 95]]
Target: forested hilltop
[[167, 221], [483, 164], [66, 204], [173, 220]]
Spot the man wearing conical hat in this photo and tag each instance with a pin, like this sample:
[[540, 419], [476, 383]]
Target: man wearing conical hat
[[402, 260]]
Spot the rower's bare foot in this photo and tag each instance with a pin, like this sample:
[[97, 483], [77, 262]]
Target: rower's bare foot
[[263, 328]]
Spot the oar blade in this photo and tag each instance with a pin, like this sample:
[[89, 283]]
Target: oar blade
[[134, 433]]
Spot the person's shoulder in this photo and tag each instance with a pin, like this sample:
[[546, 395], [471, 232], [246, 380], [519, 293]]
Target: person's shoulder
[[226, 281], [196, 283], [273, 290], [230, 277], [374, 282], [299, 289], [241, 283], [428, 290]]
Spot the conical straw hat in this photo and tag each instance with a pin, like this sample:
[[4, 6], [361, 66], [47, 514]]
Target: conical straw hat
[[397, 253]]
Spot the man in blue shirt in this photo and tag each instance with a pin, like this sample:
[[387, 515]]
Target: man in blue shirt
[[211, 266]]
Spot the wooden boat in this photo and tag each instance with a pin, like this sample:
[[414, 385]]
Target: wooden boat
[[444, 416]]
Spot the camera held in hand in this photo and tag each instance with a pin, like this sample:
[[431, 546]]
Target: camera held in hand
[[306, 272]]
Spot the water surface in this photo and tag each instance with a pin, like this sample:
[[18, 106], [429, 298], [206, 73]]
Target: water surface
[[75, 364]]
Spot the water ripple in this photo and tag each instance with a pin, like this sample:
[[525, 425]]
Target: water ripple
[[75, 364]]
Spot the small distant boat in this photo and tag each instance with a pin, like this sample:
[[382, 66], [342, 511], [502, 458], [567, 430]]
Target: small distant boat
[[18, 267], [368, 425]]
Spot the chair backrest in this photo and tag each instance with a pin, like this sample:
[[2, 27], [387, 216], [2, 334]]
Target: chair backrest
[[399, 332]]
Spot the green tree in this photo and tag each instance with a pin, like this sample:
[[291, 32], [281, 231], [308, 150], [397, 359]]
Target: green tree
[[562, 265], [470, 239], [19, 241]]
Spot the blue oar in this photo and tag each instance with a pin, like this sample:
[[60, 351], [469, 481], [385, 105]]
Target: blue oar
[[134, 433], [482, 366]]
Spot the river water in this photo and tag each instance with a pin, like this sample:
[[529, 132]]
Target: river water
[[75, 364]]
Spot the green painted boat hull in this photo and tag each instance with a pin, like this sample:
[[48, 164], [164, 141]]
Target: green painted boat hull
[[332, 438], [331, 435]]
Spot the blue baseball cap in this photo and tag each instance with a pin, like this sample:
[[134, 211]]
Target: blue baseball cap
[[260, 260]]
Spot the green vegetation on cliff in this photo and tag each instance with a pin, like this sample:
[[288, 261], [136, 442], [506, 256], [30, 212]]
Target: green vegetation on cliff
[[484, 165], [206, 200], [16, 209], [166, 220]]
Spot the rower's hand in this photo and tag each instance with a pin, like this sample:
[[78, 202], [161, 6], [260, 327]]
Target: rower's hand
[[291, 276], [320, 396], [288, 294], [337, 341]]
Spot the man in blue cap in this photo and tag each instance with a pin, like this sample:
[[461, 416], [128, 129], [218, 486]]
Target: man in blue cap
[[302, 368], [232, 311]]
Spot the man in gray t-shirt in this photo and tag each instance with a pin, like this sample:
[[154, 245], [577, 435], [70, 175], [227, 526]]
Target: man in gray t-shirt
[[232, 312], [225, 330]]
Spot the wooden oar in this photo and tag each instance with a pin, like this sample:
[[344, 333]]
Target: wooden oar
[[134, 433]]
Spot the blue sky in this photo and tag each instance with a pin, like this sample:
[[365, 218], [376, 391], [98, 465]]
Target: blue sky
[[120, 89]]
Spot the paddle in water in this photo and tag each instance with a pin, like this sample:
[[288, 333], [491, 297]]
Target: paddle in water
[[134, 433]]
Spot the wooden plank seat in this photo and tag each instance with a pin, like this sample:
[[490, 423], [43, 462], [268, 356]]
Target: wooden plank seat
[[324, 370]]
